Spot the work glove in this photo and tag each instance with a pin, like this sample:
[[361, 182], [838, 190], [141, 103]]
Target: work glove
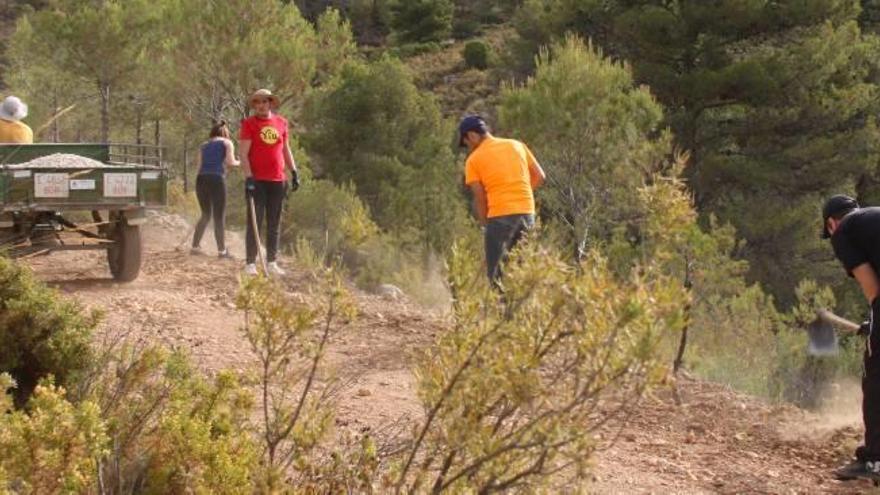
[[249, 187], [294, 181], [864, 328]]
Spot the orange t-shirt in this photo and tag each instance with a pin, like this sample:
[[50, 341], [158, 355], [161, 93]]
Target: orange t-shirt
[[502, 167], [15, 132]]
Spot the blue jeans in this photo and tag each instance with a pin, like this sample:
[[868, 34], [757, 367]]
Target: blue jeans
[[502, 234]]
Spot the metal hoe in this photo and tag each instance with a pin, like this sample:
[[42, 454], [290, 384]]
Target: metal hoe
[[823, 337]]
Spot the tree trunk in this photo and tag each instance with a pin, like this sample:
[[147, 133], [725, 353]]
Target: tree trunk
[[682, 343], [56, 131], [139, 126], [104, 90], [185, 162], [158, 134]]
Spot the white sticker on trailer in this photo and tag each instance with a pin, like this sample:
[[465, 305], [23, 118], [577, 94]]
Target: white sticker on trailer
[[21, 174], [82, 185], [149, 175], [120, 185], [51, 186]]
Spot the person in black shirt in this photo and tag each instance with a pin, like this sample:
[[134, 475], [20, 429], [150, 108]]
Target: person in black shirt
[[855, 237]]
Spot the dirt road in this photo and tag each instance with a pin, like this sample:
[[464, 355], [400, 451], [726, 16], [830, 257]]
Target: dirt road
[[717, 441]]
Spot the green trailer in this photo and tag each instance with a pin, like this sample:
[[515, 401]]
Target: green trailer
[[57, 197]]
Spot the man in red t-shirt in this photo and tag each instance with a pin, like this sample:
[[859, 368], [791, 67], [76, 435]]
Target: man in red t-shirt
[[264, 154]]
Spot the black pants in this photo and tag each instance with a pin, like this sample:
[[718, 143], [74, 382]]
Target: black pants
[[871, 390], [502, 234], [268, 200], [211, 193]]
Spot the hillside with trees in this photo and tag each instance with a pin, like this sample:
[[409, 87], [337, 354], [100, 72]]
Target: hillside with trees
[[688, 147]]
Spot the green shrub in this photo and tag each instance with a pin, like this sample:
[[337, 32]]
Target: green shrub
[[289, 339], [477, 55], [511, 391], [54, 447], [422, 20], [172, 429], [466, 28], [331, 218], [409, 50], [144, 420], [41, 334], [183, 203]]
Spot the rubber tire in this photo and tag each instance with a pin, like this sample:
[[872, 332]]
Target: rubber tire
[[124, 257]]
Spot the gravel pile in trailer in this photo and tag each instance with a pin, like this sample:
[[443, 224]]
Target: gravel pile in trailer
[[58, 161]]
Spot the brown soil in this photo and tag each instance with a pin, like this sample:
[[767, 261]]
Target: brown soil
[[717, 441]]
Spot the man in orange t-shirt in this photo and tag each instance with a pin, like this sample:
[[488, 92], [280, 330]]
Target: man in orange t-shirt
[[502, 174]]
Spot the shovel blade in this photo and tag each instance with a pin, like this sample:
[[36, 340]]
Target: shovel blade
[[823, 338]]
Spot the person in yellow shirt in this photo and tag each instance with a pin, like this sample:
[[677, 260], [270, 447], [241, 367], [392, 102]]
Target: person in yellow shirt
[[12, 129], [502, 174]]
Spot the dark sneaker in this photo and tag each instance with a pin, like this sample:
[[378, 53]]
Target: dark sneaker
[[196, 251], [859, 469]]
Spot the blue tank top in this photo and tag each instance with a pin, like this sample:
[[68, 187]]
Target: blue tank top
[[213, 156]]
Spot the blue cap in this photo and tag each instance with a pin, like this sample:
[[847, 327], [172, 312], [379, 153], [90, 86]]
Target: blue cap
[[471, 123]]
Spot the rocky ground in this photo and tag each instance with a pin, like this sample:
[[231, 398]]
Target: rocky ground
[[715, 441]]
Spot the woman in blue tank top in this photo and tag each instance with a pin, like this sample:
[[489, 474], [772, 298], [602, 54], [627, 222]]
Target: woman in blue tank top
[[215, 155]]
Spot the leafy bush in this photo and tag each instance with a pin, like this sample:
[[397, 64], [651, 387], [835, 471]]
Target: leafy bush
[[170, 429], [54, 447], [422, 20], [596, 132], [511, 391], [407, 143], [331, 218], [409, 50], [143, 420], [41, 334], [183, 203], [477, 55]]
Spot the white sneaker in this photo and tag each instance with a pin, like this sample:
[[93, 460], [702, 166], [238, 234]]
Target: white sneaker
[[250, 269], [274, 269]]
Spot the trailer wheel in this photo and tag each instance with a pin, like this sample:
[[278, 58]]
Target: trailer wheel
[[124, 256]]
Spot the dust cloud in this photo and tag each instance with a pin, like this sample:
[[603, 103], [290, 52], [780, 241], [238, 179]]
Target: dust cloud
[[840, 407]]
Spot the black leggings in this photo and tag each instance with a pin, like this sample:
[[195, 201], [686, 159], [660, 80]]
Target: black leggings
[[211, 192], [268, 201]]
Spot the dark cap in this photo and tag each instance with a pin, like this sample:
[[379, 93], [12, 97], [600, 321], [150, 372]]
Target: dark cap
[[471, 123], [833, 207]]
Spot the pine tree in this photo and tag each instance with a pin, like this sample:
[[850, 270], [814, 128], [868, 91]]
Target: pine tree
[[104, 43], [774, 100], [372, 127], [593, 131], [420, 21]]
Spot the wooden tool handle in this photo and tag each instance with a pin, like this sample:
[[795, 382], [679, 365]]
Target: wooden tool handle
[[837, 321]]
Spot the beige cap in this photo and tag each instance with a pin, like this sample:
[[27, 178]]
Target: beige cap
[[264, 93]]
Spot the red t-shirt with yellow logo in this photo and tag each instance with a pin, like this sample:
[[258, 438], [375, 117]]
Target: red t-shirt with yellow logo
[[267, 137]]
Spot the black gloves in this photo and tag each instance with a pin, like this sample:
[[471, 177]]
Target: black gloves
[[249, 187], [864, 329], [294, 181]]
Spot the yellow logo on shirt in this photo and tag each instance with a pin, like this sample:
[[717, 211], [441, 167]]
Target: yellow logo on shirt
[[269, 135]]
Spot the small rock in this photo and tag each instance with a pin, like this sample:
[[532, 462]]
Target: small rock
[[389, 292], [364, 393]]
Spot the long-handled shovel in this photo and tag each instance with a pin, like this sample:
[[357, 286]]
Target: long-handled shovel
[[253, 220], [822, 333]]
